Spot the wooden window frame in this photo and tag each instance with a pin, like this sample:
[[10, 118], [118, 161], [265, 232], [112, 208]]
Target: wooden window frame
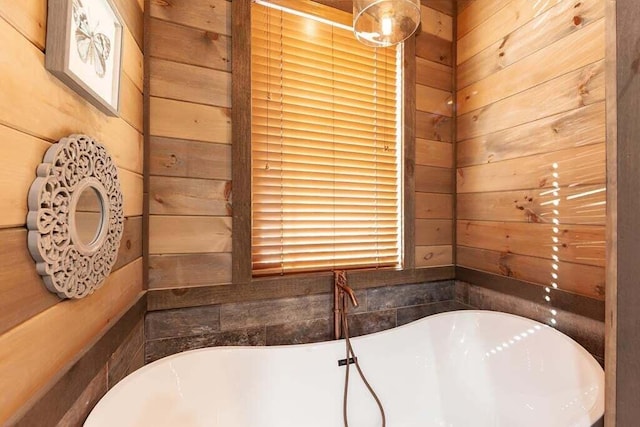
[[241, 178]]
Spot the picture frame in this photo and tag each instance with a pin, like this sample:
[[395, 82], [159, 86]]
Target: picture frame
[[84, 49]]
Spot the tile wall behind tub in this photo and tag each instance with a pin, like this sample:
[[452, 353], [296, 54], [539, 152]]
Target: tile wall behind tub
[[291, 320]]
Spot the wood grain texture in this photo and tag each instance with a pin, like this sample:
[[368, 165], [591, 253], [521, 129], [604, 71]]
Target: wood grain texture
[[570, 91], [433, 126], [432, 256], [63, 398], [434, 206], [472, 13], [433, 100], [434, 153], [444, 6], [188, 270], [580, 244], [433, 232], [565, 18], [209, 15], [434, 49], [574, 128], [575, 205], [32, 110], [188, 196], [567, 54], [513, 15], [32, 356], [189, 45], [436, 23], [623, 127], [576, 166], [241, 149], [36, 110], [434, 180], [434, 75], [580, 279], [185, 120], [189, 159], [191, 83], [189, 234]]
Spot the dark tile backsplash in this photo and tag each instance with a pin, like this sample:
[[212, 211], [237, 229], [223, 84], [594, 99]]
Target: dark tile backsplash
[[291, 320]]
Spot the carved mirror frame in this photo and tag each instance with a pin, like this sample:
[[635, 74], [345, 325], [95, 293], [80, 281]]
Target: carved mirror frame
[[70, 267]]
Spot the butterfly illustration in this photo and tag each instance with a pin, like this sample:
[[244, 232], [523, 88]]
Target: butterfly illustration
[[93, 47]]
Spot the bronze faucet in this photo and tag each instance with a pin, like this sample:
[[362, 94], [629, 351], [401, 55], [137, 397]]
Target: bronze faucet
[[340, 288]]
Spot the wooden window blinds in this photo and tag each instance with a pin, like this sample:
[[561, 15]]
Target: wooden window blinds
[[325, 146]]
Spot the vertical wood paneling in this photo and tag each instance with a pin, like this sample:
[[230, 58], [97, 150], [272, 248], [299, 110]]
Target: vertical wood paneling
[[531, 143], [36, 109]]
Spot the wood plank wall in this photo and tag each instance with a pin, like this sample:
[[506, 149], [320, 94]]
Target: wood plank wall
[[434, 175], [190, 141], [40, 335], [531, 141]]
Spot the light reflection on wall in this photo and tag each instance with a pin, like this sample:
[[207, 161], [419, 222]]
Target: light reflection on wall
[[555, 238]]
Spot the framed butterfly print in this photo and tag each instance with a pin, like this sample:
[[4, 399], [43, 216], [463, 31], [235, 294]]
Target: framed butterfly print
[[84, 49]]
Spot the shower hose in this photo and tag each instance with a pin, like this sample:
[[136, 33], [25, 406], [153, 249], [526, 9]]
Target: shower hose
[[351, 354]]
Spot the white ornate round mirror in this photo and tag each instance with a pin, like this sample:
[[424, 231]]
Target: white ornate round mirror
[[75, 216]]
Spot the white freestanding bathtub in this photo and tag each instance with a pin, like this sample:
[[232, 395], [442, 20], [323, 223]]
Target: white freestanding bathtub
[[462, 369]]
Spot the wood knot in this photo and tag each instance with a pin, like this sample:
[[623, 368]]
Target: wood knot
[[128, 244], [428, 256], [577, 20], [211, 36], [172, 161]]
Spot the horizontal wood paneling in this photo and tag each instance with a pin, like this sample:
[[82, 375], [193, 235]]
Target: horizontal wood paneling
[[37, 109], [434, 100], [580, 244], [186, 120], [434, 180], [433, 74], [570, 91], [434, 206], [574, 128], [434, 153], [511, 16], [431, 256], [567, 54], [580, 279], [189, 45], [531, 181], [189, 234], [444, 6], [191, 83], [436, 23], [569, 205], [187, 196], [559, 21], [433, 232], [194, 159], [433, 127], [32, 353], [576, 166], [210, 15], [187, 270], [434, 49]]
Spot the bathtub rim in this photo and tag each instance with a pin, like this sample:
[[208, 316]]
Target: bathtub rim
[[595, 411]]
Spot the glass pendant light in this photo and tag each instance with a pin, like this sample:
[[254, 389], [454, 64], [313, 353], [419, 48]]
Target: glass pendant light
[[382, 23]]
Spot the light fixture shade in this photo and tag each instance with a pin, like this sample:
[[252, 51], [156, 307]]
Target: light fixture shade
[[382, 23]]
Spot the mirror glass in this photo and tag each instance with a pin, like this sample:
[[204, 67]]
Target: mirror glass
[[88, 216]]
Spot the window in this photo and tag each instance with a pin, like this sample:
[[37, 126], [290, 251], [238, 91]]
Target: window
[[325, 146]]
